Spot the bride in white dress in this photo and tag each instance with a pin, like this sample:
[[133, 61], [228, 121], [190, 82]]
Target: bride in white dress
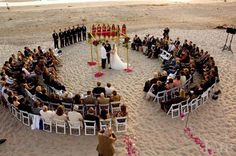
[[116, 62]]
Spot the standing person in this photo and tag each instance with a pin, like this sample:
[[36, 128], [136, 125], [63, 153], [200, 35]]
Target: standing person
[[66, 37], [70, 35], [108, 31], [2, 141], [104, 33], [62, 38], [99, 31], [105, 146], [84, 31], [55, 38], [94, 30], [108, 51], [103, 55], [74, 34], [78, 30], [123, 29]]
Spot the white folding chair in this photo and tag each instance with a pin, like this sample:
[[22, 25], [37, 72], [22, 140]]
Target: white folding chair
[[194, 104], [115, 107], [25, 118], [74, 126], [60, 124], [47, 124], [184, 107], [174, 110], [89, 126], [160, 96], [105, 123], [104, 106], [165, 55], [121, 124], [16, 113], [204, 97]]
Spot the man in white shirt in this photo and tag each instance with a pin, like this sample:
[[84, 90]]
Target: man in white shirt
[[75, 116], [109, 89], [103, 55]]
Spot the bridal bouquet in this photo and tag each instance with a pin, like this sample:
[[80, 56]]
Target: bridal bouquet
[[96, 42]]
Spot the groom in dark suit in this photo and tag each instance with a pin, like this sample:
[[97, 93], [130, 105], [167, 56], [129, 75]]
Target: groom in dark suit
[[108, 50]]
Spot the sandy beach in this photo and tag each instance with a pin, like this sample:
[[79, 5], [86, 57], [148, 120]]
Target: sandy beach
[[156, 133]]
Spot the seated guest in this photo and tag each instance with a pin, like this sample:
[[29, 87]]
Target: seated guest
[[109, 89], [177, 81], [163, 76], [167, 104], [44, 95], [102, 99], [115, 96], [77, 99], [170, 84], [91, 116], [104, 114], [35, 109], [183, 78], [74, 116], [66, 98], [10, 97], [15, 99], [98, 90], [149, 83], [123, 111], [89, 99], [60, 115], [46, 114], [158, 87]]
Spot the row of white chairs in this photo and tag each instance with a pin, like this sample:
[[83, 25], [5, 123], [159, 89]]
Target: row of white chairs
[[187, 106], [166, 95], [60, 126]]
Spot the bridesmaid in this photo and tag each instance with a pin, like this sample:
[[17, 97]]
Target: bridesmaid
[[123, 30], [108, 31], [104, 31], [99, 31], [94, 29], [113, 30]]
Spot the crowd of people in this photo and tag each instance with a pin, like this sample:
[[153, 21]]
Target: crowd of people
[[186, 59], [69, 36], [34, 72]]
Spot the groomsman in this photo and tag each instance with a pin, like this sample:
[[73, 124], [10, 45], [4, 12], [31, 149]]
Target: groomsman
[[74, 34], [55, 38], [66, 37], [70, 35], [62, 38], [84, 29], [78, 30], [108, 50]]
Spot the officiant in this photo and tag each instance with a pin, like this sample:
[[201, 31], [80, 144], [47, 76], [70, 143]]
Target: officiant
[[103, 55]]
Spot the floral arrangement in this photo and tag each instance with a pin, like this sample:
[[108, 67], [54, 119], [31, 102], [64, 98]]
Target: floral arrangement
[[130, 146], [96, 42], [126, 42]]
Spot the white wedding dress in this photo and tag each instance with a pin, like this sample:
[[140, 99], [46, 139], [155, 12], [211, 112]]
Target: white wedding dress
[[116, 62]]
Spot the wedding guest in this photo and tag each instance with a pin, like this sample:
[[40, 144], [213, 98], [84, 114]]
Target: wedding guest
[[92, 117], [104, 114], [98, 90], [123, 111], [167, 104], [89, 99], [108, 90], [60, 115], [55, 38], [77, 99], [170, 84], [74, 116], [177, 81], [36, 109], [106, 139], [46, 114], [115, 96], [183, 78], [102, 99]]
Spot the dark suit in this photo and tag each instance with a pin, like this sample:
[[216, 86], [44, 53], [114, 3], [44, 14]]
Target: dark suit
[[89, 100], [92, 118], [108, 50], [98, 90], [62, 39], [84, 29], [74, 34], [66, 35], [55, 38], [166, 105], [78, 30]]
